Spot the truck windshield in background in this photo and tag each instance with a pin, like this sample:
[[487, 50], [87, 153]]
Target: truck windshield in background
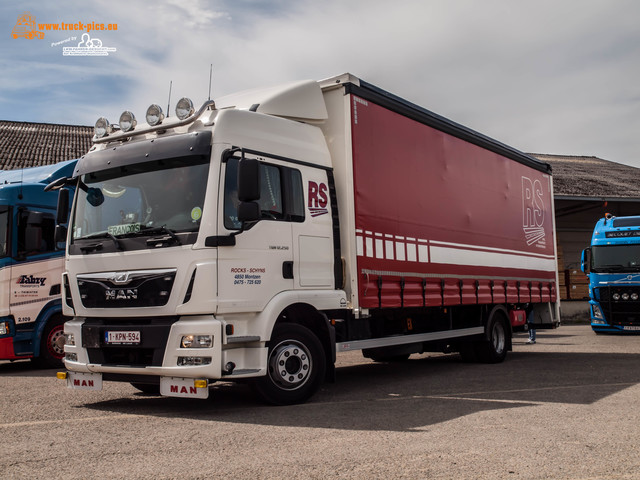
[[164, 195], [4, 223], [612, 258]]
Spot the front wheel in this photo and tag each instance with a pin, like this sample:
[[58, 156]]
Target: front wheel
[[295, 366], [52, 344]]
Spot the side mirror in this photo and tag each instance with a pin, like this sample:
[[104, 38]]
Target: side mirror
[[62, 214], [585, 263], [60, 234], [248, 212], [248, 180]]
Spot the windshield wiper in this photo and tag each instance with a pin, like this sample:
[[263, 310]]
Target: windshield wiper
[[171, 235], [98, 246]]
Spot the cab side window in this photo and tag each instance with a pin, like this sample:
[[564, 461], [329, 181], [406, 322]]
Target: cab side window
[[35, 233], [281, 194]]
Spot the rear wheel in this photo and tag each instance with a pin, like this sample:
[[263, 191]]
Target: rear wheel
[[295, 366], [494, 350]]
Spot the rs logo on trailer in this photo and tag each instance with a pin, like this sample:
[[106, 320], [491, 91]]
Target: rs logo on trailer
[[532, 211], [318, 199]]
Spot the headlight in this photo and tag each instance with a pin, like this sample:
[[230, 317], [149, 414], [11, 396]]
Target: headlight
[[102, 128], [184, 108], [127, 121], [4, 328], [154, 115], [196, 341], [597, 311]]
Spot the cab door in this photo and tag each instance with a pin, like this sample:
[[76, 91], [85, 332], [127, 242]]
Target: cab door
[[260, 263]]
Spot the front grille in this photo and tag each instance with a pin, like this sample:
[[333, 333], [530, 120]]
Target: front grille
[[146, 288], [617, 304], [154, 334]]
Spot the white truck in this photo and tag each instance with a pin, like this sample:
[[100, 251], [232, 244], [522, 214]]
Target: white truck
[[255, 238]]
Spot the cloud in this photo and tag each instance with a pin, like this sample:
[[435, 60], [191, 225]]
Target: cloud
[[543, 76]]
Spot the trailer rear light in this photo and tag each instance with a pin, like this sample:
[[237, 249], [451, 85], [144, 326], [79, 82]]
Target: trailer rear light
[[196, 341], [625, 296], [616, 296], [127, 121], [102, 128], [634, 296], [154, 115], [4, 328], [193, 361], [184, 108]]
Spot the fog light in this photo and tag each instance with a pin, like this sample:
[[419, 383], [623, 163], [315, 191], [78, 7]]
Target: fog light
[[127, 121], [102, 128], [4, 328], [193, 361], [69, 339], [72, 357], [154, 115], [196, 341], [184, 108]]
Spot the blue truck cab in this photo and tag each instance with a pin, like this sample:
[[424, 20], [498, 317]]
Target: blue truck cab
[[612, 263], [31, 262]]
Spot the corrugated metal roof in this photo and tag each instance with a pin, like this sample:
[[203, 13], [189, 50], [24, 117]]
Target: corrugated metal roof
[[592, 177], [25, 144]]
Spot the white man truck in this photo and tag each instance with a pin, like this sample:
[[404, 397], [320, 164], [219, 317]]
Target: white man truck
[[255, 238], [31, 320]]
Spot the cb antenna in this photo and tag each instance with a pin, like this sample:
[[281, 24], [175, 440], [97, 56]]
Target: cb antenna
[[210, 74], [169, 101]]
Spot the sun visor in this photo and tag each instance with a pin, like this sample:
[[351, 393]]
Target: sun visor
[[197, 143]]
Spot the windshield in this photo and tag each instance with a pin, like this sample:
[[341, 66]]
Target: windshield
[[612, 258], [154, 197]]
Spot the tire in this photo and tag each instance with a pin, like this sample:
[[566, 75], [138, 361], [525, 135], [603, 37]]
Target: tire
[[494, 350], [52, 344], [148, 388], [296, 366]]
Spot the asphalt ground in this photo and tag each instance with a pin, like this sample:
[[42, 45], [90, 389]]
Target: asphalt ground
[[567, 407]]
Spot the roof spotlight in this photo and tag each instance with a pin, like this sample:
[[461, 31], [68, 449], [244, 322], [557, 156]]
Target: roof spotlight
[[127, 121], [154, 115], [102, 128], [184, 108]]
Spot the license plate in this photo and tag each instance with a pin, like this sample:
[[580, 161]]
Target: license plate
[[181, 387], [84, 381], [121, 338], [635, 329]]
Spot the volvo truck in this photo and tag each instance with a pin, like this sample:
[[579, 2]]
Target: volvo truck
[[612, 263]]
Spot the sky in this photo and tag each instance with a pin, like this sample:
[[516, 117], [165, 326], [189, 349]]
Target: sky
[[544, 76]]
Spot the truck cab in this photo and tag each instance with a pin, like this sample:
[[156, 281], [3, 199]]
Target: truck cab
[[31, 262], [612, 263]]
